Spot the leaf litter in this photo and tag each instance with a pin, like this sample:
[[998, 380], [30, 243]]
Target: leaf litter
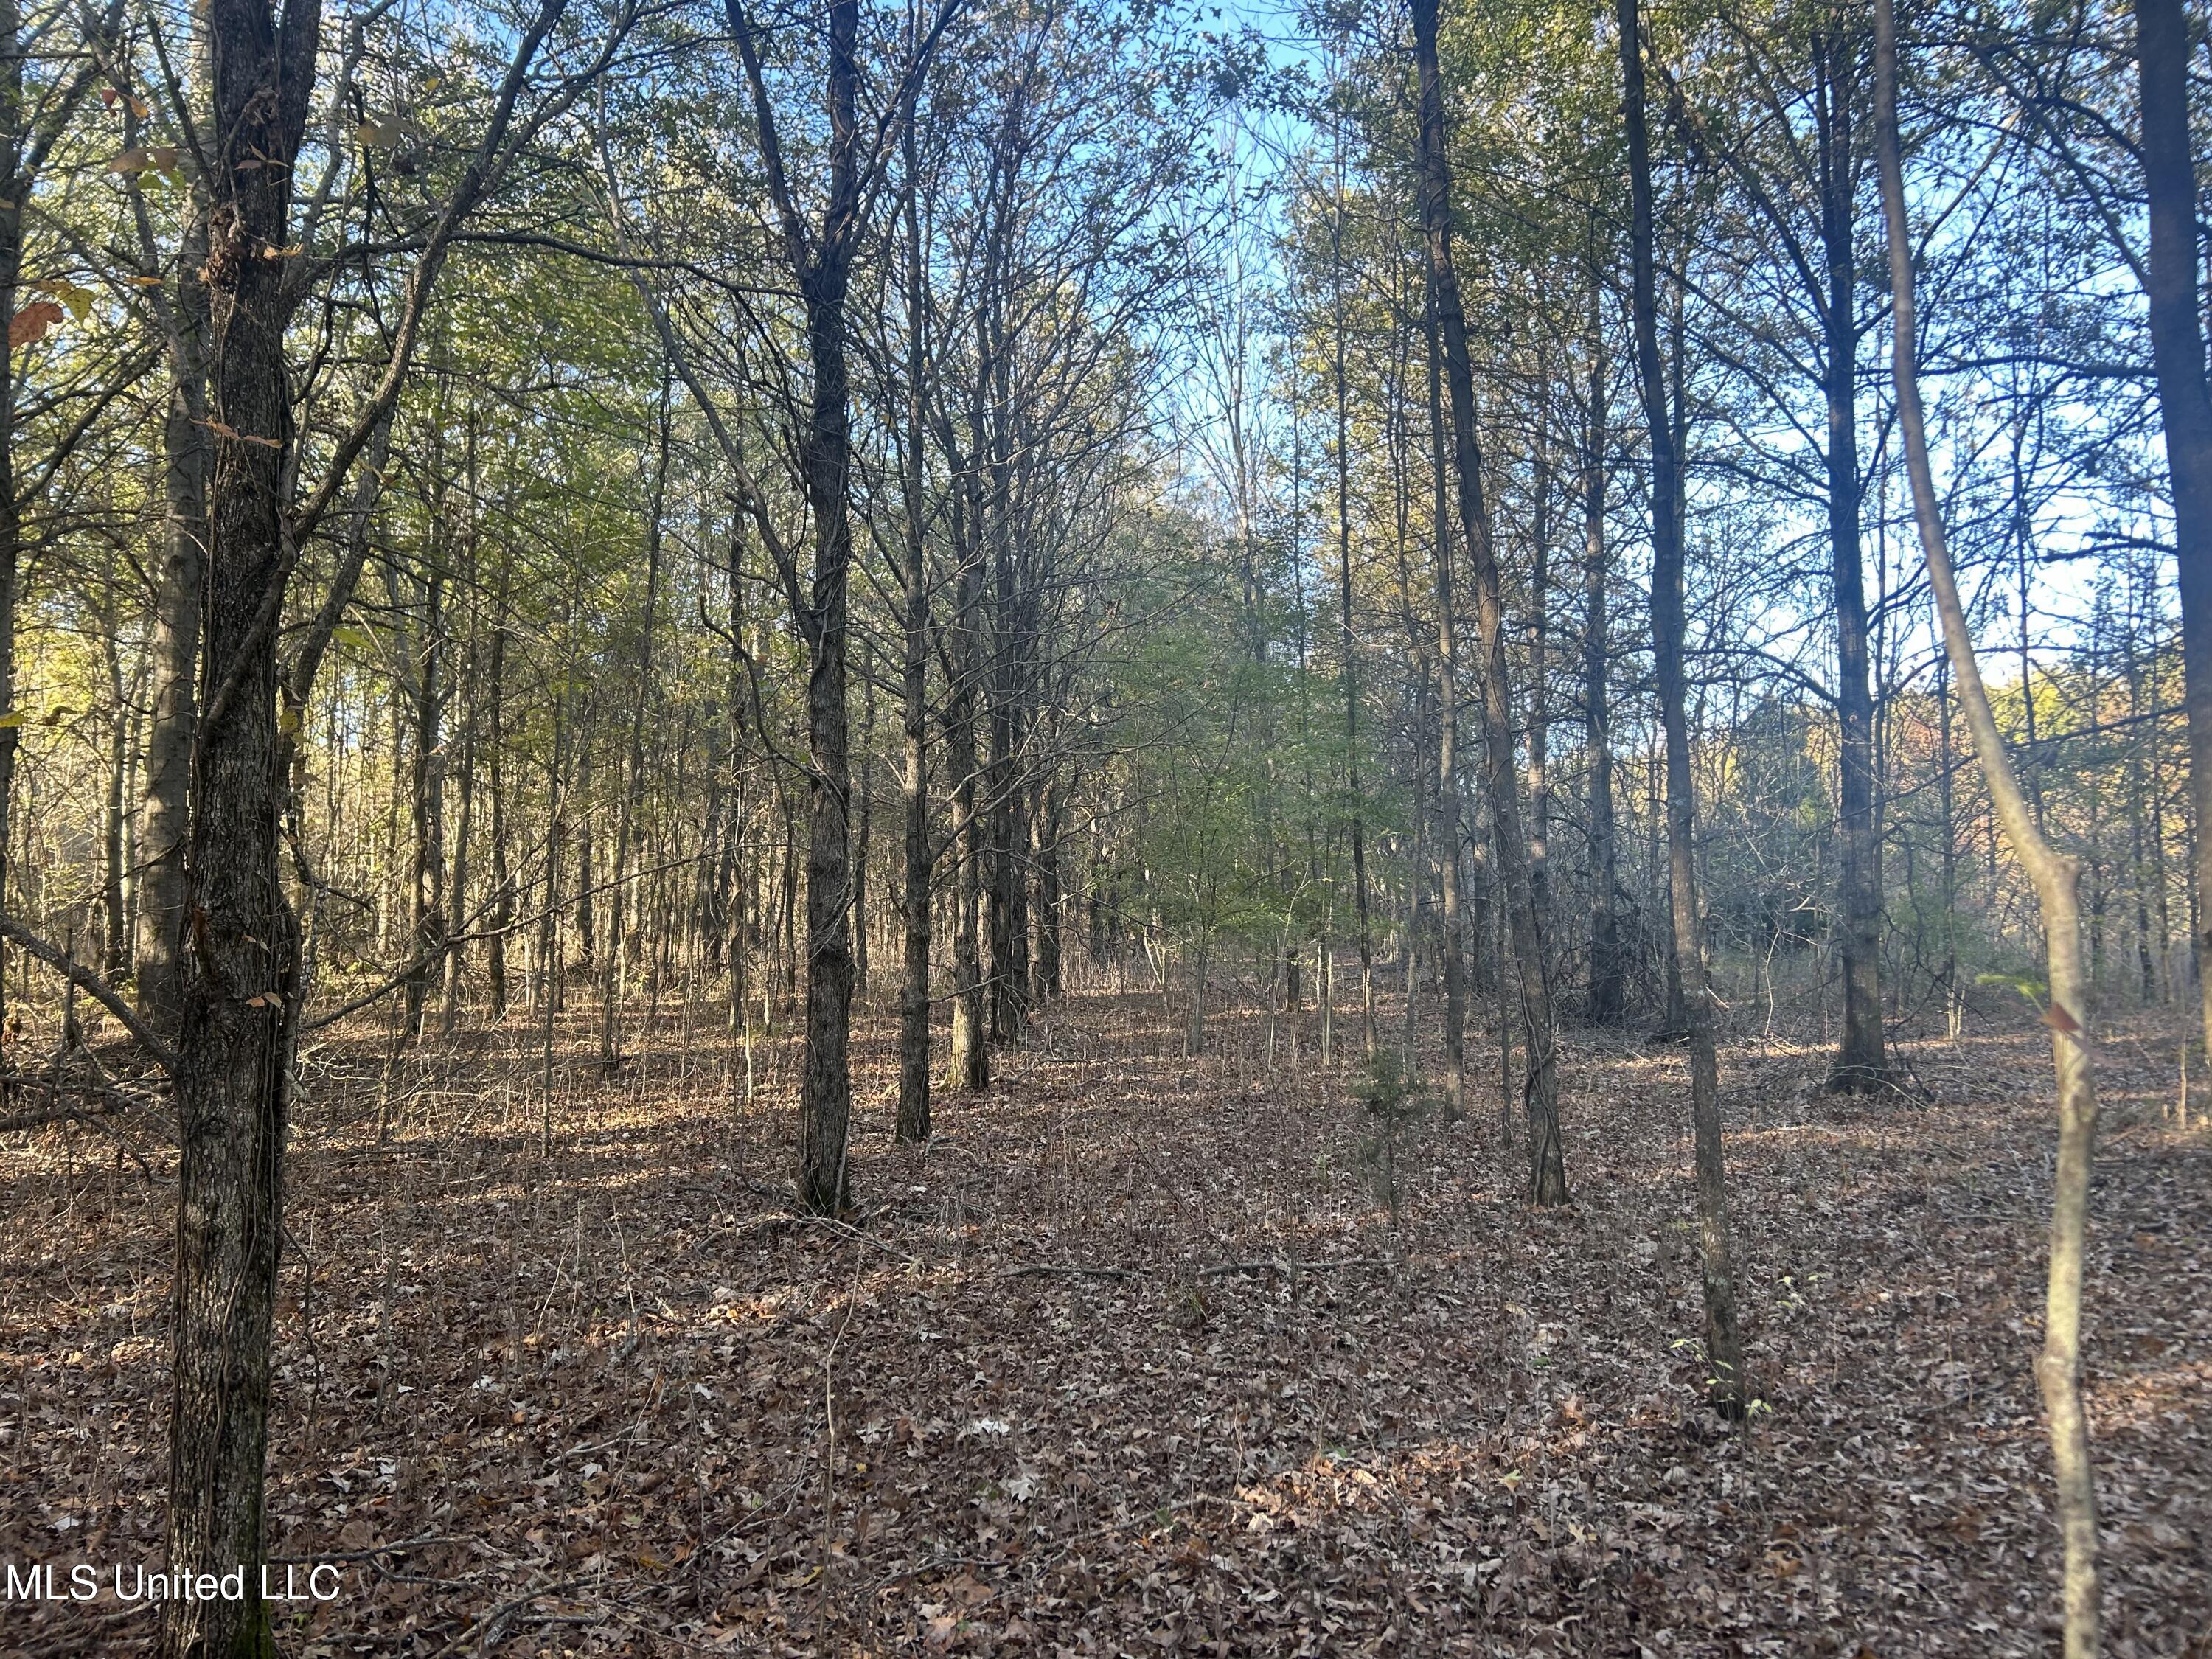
[[1131, 1361]]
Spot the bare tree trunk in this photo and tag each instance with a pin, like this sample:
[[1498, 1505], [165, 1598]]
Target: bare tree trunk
[[240, 991], [2184, 400], [165, 804], [858, 920], [1348, 645], [426, 791], [1540, 636], [913, 1126], [618, 905], [1608, 965], [1451, 846], [468, 690], [2057, 877], [502, 879], [115, 943], [1546, 1155], [1861, 1063], [1724, 1343], [970, 1058]]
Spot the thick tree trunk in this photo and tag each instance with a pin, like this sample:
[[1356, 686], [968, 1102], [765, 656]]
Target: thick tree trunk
[[241, 991], [1723, 1344], [825, 1084], [1862, 1062], [2185, 401], [2056, 878], [825, 1089], [173, 651], [1546, 1155]]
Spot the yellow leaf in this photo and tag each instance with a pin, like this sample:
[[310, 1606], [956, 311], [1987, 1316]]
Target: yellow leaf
[[134, 160], [12, 718]]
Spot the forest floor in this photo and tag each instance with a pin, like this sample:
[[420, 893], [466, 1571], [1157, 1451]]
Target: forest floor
[[1132, 1360]]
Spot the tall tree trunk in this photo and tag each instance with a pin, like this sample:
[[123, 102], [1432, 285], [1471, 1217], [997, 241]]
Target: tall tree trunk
[[1608, 963], [913, 985], [1862, 1062], [1540, 637], [970, 1058], [1044, 968], [115, 946], [1347, 644], [468, 690], [826, 1090], [503, 878], [241, 982], [2184, 400], [1452, 845], [2056, 878], [1723, 1344], [15, 182], [618, 898], [427, 787], [858, 920], [1546, 1155], [165, 803]]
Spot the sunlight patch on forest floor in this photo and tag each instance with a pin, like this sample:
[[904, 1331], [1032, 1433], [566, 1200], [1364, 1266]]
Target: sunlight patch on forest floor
[[1131, 1361]]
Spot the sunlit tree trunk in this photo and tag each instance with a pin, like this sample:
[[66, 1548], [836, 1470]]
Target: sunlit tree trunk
[[1546, 1155], [2057, 877], [1723, 1344], [2163, 45]]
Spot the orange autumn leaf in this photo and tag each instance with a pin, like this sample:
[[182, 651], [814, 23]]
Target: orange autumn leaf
[[32, 322]]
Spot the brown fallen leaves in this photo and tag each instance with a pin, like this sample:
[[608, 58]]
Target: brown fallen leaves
[[1130, 1362]]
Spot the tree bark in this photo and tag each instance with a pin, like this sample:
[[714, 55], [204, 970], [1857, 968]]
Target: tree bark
[[1723, 1344], [427, 787], [619, 908], [241, 991], [1451, 846], [970, 1058], [1348, 645], [1861, 1063], [165, 804], [2056, 878], [1608, 963], [913, 1126], [1540, 1090], [2184, 400]]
